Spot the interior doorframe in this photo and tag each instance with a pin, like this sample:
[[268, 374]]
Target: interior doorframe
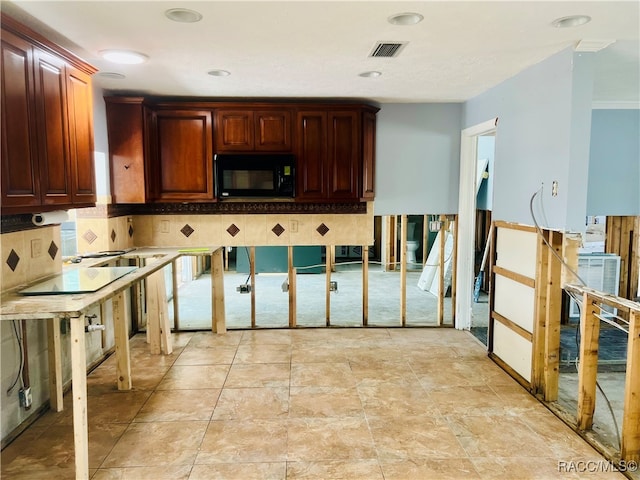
[[467, 219]]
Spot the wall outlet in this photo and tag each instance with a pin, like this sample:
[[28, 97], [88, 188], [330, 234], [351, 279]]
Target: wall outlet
[[25, 398], [164, 226], [244, 288], [294, 226], [554, 188], [36, 247]]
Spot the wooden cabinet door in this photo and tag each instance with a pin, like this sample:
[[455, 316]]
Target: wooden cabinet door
[[234, 130], [273, 131], [368, 155], [312, 155], [183, 155], [20, 179], [344, 155], [53, 141], [80, 108], [125, 128]]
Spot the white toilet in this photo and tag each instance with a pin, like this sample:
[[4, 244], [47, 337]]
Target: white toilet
[[412, 243]]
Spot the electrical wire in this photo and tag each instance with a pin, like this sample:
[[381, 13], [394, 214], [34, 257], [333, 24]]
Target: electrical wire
[[19, 375], [579, 303]]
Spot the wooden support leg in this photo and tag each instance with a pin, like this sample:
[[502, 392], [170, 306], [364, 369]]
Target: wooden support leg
[[55, 364], [121, 337], [79, 382], [218, 322], [540, 314], [365, 285], [153, 314], [588, 370], [630, 449]]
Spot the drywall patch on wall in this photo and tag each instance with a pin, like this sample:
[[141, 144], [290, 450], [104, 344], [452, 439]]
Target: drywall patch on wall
[[614, 163], [417, 158]]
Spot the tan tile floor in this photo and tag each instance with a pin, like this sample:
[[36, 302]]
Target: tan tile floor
[[307, 404]]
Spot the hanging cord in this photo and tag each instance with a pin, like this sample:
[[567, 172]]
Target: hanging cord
[[19, 375], [584, 284]]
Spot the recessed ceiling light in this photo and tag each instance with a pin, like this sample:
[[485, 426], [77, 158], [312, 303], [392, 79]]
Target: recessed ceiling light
[[408, 18], [113, 75], [370, 74], [571, 21], [183, 15], [126, 57], [219, 73]]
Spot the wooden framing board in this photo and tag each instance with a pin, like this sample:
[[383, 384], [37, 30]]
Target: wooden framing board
[[252, 276], [79, 382], [403, 270], [121, 334], [174, 288], [441, 270], [623, 237], [630, 449], [365, 285], [218, 324], [425, 238], [513, 326], [292, 288], [540, 317], [327, 285], [588, 370], [516, 277], [454, 270], [553, 314], [492, 283]]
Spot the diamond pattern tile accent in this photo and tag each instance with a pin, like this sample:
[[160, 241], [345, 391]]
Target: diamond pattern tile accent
[[89, 236], [13, 260], [187, 230], [322, 229], [53, 250], [278, 229], [113, 235], [130, 230], [233, 230]]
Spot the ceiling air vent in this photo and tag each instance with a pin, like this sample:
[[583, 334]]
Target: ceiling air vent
[[387, 49]]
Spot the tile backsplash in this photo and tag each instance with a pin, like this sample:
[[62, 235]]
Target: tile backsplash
[[29, 255]]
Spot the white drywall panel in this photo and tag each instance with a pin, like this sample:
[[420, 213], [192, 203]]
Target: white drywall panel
[[515, 302], [512, 349], [516, 251]]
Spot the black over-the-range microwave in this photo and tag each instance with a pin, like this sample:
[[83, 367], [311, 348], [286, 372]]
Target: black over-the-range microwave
[[255, 175]]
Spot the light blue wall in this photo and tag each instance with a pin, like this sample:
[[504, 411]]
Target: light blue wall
[[486, 149], [614, 166], [417, 158], [540, 138]]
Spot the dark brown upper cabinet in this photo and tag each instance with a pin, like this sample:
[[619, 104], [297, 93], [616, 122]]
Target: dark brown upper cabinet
[[47, 124], [246, 130], [181, 153]]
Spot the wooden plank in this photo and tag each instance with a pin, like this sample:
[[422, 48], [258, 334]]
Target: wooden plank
[[174, 289], [153, 315], [121, 336], [540, 314], [626, 228], [622, 304], [79, 391], [630, 449], [389, 243], [252, 275], [403, 270], [513, 326], [552, 319], [166, 346], [516, 277], [454, 270], [425, 239], [492, 281], [514, 226], [441, 270], [635, 260], [292, 289], [365, 285], [327, 285], [588, 367], [218, 321], [55, 364]]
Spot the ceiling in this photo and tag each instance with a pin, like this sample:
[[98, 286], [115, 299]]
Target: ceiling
[[319, 48]]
